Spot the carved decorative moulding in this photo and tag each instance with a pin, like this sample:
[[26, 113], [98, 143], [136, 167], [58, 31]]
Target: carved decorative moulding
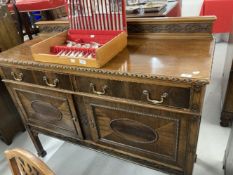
[[147, 28], [25, 167], [150, 25], [106, 72], [53, 28], [170, 28]]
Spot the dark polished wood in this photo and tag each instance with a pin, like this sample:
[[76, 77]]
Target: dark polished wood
[[142, 56], [48, 109], [145, 105], [178, 97], [227, 111], [11, 122], [228, 160]]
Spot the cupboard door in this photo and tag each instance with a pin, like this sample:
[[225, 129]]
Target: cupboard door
[[53, 111], [141, 131]]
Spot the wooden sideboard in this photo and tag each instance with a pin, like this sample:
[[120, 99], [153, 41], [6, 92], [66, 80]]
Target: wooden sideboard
[[11, 122], [227, 111], [144, 105], [9, 36]]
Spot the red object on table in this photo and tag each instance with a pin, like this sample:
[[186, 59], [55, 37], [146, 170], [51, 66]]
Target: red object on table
[[223, 9], [36, 5]]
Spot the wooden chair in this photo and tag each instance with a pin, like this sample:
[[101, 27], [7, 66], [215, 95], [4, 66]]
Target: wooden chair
[[9, 36], [23, 162], [23, 8]]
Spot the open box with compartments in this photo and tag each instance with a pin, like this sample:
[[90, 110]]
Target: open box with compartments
[[97, 33]]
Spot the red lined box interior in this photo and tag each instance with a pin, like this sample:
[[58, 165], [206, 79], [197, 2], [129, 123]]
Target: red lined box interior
[[99, 23], [84, 37]]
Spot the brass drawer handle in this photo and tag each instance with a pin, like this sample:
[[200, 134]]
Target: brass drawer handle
[[17, 77], [163, 96], [55, 82], [92, 86]]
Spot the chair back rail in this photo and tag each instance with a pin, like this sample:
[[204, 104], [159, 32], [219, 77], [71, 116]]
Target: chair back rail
[[23, 162]]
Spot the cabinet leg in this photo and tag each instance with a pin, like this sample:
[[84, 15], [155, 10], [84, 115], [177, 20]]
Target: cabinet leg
[[23, 129], [36, 141], [6, 140], [226, 119], [224, 123]]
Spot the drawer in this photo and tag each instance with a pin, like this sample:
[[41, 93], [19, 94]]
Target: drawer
[[100, 86], [159, 95], [16, 74], [54, 80], [145, 93], [48, 110], [48, 79]]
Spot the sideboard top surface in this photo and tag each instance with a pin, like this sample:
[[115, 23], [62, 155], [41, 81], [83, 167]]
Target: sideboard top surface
[[183, 60]]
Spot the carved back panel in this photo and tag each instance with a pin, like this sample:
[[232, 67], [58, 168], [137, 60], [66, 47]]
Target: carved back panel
[[23, 162]]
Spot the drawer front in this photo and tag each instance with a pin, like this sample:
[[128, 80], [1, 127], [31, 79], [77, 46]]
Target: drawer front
[[54, 80], [144, 132], [160, 95], [100, 86], [145, 93], [20, 75], [49, 110], [48, 79]]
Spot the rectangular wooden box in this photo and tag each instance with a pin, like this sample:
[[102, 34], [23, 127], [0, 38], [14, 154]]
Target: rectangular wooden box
[[42, 51], [90, 21]]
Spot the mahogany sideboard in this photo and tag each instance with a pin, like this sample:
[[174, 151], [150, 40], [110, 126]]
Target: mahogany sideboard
[[11, 122], [227, 98], [9, 36], [144, 105]]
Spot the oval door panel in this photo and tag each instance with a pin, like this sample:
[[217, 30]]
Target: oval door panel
[[133, 131], [47, 110]]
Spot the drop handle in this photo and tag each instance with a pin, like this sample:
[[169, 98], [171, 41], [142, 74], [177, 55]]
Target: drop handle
[[17, 77], [54, 84], [163, 96], [94, 91]]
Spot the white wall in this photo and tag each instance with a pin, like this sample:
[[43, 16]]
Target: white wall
[[191, 7]]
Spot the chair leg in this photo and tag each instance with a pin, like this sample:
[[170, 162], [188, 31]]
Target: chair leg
[[27, 24]]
